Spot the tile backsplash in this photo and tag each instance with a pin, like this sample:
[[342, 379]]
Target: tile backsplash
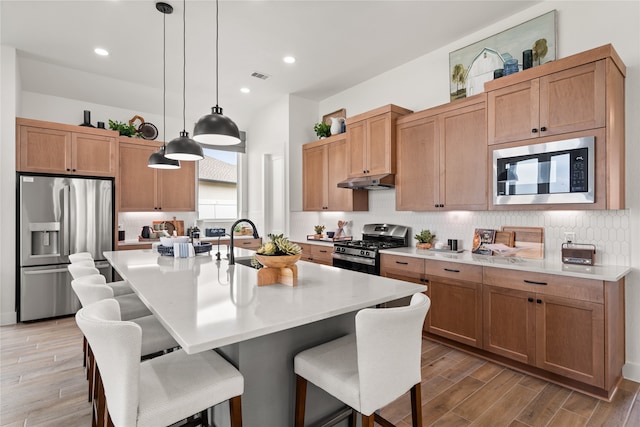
[[607, 230]]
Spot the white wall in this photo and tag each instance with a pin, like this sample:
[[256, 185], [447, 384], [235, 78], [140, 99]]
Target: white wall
[[423, 83], [9, 102]]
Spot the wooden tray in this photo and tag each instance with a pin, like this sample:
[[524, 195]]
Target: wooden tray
[[311, 237], [530, 239], [170, 225]]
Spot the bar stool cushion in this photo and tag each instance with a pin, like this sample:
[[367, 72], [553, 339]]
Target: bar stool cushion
[[87, 268], [80, 269], [155, 337], [159, 391], [89, 292]]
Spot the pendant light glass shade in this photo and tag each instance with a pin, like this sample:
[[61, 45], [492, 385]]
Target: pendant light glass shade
[[183, 147], [216, 128], [158, 160]]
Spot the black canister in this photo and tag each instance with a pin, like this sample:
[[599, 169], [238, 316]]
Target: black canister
[[498, 73], [527, 59]]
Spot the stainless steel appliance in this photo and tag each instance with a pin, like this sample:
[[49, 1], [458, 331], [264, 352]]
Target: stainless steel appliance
[[58, 216], [364, 255], [550, 172]]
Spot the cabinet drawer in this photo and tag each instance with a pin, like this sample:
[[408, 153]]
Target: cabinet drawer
[[454, 270], [403, 263], [547, 284], [247, 243], [321, 254]]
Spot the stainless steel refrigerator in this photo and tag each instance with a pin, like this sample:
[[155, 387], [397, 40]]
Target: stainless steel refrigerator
[[58, 216]]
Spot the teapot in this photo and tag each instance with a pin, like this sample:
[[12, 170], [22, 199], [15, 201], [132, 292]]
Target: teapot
[[146, 232], [337, 125]]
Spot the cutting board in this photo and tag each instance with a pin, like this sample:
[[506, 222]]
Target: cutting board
[[529, 239]]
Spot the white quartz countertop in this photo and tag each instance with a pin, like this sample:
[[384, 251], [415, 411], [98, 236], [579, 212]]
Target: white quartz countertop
[[598, 272], [207, 304]]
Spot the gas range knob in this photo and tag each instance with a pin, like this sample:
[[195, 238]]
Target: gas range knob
[[362, 253]]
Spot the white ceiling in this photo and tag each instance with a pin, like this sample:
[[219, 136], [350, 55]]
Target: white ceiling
[[337, 44]]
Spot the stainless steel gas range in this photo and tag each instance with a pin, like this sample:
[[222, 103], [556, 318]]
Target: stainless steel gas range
[[364, 255]]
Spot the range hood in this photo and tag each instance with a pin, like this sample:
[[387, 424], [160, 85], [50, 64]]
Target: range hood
[[373, 182]]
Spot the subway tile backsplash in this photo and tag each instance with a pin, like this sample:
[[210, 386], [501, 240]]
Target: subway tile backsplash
[[607, 230]]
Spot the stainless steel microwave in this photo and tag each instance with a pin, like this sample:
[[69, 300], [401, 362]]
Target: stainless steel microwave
[[545, 173]]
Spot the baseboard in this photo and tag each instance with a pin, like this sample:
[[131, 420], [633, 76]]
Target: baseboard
[[631, 371], [8, 318]]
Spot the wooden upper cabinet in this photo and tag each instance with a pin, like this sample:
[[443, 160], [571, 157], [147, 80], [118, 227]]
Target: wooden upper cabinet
[[324, 165], [143, 189], [65, 149], [371, 141], [442, 157]]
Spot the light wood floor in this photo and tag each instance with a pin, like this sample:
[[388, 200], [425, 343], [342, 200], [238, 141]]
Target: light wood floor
[[43, 384]]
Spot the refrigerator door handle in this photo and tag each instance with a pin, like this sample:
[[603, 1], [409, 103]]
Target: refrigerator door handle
[[47, 271], [65, 220]]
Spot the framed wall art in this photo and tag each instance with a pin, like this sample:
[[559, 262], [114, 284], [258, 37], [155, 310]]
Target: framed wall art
[[473, 65]]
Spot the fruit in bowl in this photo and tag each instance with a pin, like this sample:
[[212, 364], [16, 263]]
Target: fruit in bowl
[[169, 241]]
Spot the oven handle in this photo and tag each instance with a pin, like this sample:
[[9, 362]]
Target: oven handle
[[353, 258]]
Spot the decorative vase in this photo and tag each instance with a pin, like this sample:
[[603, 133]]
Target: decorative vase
[[278, 261], [336, 125], [423, 245]]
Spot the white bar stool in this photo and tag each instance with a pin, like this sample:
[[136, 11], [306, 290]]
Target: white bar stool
[[371, 368], [87, 268], [159, 391]]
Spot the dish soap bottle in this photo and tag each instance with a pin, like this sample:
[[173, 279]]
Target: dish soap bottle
[[195, 235]]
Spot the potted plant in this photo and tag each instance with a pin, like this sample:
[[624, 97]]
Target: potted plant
[[425, 239], [323, 130], [318, 229], [278, 252], [123, 128]]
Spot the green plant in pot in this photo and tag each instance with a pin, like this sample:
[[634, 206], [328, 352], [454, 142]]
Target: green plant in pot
[[318, 229], [123, 128], [425, 239], [323, 130]]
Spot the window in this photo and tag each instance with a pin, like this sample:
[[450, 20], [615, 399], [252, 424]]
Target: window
[[218, 184]]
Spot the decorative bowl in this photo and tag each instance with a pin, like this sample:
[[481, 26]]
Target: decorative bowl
[[277, 261], [169, 241]]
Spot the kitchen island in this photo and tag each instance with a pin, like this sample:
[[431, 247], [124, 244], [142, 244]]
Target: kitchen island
[[207, 304]]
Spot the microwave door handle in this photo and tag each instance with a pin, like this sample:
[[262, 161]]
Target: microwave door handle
[[65, 220]]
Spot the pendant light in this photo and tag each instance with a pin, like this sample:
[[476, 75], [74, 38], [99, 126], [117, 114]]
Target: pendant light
[[158, 160], [183, 147], [216, 128]]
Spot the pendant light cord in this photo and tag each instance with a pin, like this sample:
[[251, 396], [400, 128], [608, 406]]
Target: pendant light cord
[[184, 64], [164, 79], [217, 37]]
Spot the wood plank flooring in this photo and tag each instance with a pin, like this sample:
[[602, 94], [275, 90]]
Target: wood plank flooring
[[42, 383]]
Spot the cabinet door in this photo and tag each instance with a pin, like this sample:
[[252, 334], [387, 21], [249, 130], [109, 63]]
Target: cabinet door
[[137, 184], [356, 153], [379, 154], [314, 178], [456, 310], [573, 99], [509, 323], [463, 154], [513, 112], [93, 155], [570, 338], [417, 177], [44, 150], [338, 199], [177, 188], [321, 254]]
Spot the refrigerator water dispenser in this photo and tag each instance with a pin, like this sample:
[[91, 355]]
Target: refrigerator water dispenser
[[45, 238]]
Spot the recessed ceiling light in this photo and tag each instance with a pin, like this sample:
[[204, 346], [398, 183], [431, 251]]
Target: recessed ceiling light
[[100, 51], [245, 90], [289, 59]]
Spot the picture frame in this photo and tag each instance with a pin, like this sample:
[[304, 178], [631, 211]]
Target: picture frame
[[471, 66], [342, 113]]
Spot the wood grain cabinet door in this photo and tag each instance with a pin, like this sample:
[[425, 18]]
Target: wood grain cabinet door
[[93, 155], [44, 150], [570, 338], [379, 156], [314, 178], [177, 188], [509, 323], [356, 155], [137, 184], [513, 112], [418, 163]]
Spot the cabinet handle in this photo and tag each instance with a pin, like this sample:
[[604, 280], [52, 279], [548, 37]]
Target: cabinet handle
[[534, 130], [539, 301], [323, 251], [246, 243], [532, 282], [543, 129], [402, 263], [530, 299], [451, 270]]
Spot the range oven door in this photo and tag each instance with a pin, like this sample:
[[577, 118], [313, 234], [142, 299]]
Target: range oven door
[[356, 263]]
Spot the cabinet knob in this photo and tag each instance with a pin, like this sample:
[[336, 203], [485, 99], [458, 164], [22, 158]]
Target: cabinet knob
[[441, 205], [530, 299], [534, 130], [543, 129], [435, 206], [68, 170], [539, 301], [73, 170]]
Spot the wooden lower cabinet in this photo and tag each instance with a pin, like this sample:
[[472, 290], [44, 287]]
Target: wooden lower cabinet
[[455, 291], [320, 254], [402, 268]]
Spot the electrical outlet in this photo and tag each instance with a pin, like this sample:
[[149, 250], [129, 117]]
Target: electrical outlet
[[569, 236]]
